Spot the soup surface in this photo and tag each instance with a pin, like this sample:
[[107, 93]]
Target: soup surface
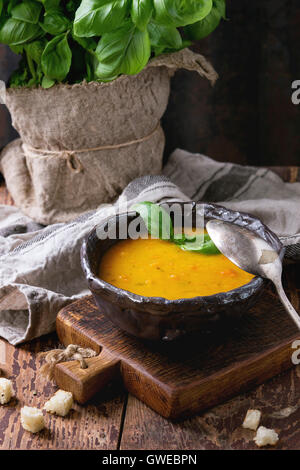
[[158, 268]]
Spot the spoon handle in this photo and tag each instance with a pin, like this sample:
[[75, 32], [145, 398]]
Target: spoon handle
[[287, 304]]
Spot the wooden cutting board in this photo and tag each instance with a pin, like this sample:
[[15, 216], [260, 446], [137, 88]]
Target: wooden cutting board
[[183, 378]]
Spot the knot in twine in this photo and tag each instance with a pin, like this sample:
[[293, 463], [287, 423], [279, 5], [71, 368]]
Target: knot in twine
[[70, 156], [73, 352]]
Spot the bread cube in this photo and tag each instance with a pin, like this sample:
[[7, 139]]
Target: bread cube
[[6, 390], [32, 419], [266, 437], [60, 404], [252, 419]]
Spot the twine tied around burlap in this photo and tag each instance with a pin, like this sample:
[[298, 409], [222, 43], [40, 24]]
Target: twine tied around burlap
[[73, 352], [70, 156]]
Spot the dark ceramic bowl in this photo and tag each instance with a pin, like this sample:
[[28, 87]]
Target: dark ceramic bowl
[[157, 318]]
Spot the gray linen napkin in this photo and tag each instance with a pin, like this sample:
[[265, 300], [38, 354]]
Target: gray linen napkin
[[40, 268]]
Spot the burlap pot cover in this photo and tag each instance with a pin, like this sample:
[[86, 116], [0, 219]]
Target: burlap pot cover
[[82, 144]]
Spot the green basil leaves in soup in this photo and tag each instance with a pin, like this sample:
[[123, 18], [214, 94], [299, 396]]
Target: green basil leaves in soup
[[158, 222], [201, 244], [159, 225]]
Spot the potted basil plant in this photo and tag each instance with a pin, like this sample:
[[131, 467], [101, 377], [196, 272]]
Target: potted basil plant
[[92, 84]]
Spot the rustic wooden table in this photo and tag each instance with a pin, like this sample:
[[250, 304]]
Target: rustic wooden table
[[114, 420]]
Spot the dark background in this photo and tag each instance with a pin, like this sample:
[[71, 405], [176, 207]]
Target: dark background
[[248, 117]]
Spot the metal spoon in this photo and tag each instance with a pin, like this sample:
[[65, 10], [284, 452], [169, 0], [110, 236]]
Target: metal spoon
[[252, 254]]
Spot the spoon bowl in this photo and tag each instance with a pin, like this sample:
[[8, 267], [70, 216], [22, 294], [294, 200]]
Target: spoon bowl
[[252, 254]]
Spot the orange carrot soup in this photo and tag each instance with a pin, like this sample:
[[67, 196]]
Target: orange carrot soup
[[158, 268]]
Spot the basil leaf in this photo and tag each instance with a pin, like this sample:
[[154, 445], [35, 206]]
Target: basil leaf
[[200, 244], [179, 239], [129, 30], [28, 11], [55, 22], [141, 12], [96, 17], [35, 50], [125, 50], [87, 43], [56, 58], [17, 49], [49, 4], [164, 37], [220, 6], [159, 225], [15, 32], [181, 12], [47, 82], [182, 239], [203, 28], [158, 222]]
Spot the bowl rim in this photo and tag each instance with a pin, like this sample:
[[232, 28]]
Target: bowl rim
[[96, 283]]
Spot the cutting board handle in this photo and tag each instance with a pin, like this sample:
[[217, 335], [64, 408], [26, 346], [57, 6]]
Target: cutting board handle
[[84, 383]]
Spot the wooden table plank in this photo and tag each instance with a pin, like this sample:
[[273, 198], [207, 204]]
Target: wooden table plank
[[220, 427], [95, 426]]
